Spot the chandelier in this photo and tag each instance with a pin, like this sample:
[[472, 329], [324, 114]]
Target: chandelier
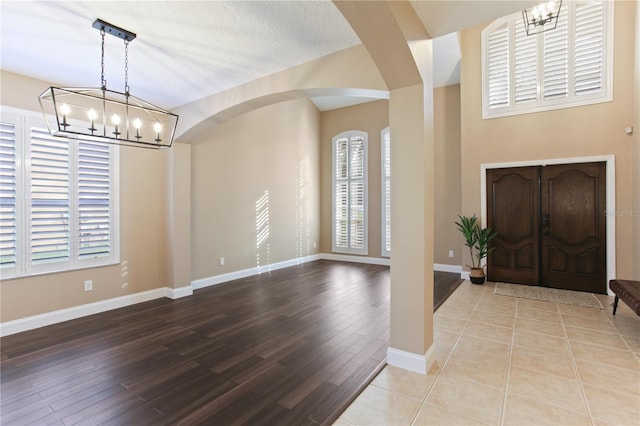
[[100, 114], [542, 18]]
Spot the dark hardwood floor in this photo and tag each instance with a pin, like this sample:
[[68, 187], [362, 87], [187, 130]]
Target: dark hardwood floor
[[444, 284], [294, 346]]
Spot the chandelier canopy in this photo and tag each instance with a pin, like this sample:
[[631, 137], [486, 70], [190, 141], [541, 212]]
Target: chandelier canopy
[[99, 114]]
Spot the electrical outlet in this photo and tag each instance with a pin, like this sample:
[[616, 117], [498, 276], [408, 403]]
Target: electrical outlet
[[450, 253], [222, 261], [88, 285]]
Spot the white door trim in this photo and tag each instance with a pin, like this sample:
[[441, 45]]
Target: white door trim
[[610, 161]]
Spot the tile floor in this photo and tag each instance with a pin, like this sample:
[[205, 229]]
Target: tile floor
[[508, 361]]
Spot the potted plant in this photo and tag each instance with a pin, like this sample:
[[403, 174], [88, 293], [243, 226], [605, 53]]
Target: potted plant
[[478, 240]]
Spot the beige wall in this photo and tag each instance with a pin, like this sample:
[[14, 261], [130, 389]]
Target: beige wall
[[274, 150], [446, 116], [636, 153], [143, 224], [371, 117], [574, 132]]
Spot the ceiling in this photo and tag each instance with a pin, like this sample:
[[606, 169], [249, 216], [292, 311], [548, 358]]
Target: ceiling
[[186, 50]]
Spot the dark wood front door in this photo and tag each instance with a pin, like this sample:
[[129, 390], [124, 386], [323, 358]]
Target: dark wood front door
[[551, 224]]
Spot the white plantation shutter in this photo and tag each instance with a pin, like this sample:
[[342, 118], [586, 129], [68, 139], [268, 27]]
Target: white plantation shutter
[[350, 193], [49, 233], [525, 65], [555, 68], [589, 48], [559, 68], [58, 200], [498, 67], [94, 189], [8, 198], [386, 192]]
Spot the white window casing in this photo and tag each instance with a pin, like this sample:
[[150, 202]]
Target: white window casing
[[568, 66], [349, 193]]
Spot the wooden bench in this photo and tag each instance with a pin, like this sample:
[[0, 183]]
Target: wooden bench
[[628, 291]]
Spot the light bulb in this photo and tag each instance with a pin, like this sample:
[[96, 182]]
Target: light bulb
[[157, 127], [64, 109], [92, 114], [137, 123], [115, 120]]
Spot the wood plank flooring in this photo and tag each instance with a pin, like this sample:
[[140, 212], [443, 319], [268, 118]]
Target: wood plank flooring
[[293, 346]]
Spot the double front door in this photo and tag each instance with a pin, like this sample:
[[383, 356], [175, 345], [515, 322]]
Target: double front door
[[551, 226]]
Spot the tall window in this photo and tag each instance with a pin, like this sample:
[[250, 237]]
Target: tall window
[[568, 66], [58, 200], [350, 192], [385, 138]]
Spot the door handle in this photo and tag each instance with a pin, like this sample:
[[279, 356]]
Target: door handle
[[545, 224]]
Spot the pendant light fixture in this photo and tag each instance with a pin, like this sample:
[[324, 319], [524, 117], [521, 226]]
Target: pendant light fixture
[[542, 18], [100, 114]]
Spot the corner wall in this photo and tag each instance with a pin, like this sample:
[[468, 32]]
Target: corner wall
[[636, 153], [572, 132], [446, 115], [255, 189]]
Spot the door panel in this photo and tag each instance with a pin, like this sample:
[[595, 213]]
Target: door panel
[[574, 243], [513, 210]]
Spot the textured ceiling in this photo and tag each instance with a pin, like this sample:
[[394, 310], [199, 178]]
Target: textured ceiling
[[186, 50]]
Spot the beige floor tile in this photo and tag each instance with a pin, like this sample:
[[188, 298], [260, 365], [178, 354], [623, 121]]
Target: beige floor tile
[[524, 411], [537, 314], [582, 311], [398, 380], [485, 371], [592, 323], [600, 422], [376, 406], [341, 422], [496, 308], [541, 341], [453, 311], [604, 355], [481, 348], [492, 318], [538, 304], [445, 338], [482, 403], [612, 340], [633, 341], [488, 331], [617, 408], [604, 376], [431, 415], [544, 362], [452, 324], [558, 391], [545, 327], [498, 299]]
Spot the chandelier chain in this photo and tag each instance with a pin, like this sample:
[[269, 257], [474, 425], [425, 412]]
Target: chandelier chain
[[126, 67], [103, 82]]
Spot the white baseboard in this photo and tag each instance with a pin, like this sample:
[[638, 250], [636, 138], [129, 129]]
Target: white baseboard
[[356, 259], [465, 275], [456, 269], [410, 361], [243, 273], [177, 293], [42, 320]]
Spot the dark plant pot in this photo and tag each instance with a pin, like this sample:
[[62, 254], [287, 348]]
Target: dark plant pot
[[477, 276], [477, 280]]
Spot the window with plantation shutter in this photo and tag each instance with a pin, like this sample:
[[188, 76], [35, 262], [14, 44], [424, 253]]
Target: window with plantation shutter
[[64, 216], [385, 138], [49, 230], [9, 206], [564, 67], [350, 193]]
